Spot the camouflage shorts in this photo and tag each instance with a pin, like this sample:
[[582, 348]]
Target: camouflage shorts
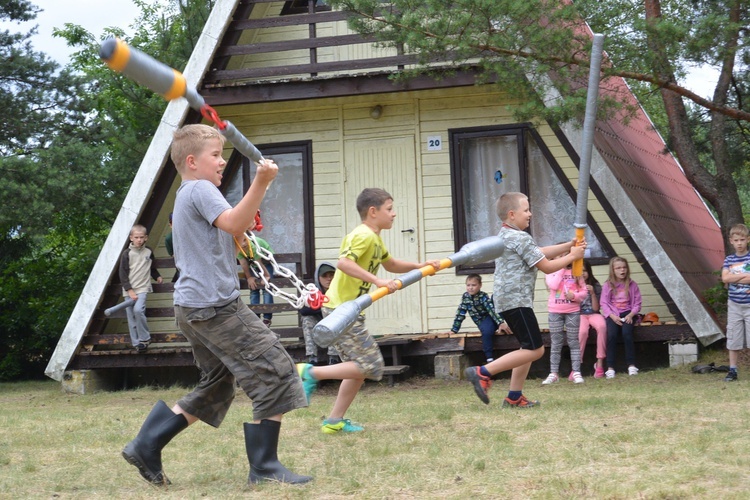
[[232, 346], [357, 345]]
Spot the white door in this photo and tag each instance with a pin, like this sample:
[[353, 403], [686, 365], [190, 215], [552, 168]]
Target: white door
[[388, 163]]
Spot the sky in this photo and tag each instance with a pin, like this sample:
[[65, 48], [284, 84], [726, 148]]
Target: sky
[[95, 15]]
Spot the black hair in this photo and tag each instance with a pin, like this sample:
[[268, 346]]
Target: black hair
[[591, 280]]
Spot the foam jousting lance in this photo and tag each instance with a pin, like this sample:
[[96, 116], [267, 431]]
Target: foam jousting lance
[[327, 331], [171, 84], [589, 124]]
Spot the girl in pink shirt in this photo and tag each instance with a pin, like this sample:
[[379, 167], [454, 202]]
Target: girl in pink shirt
[[564, 305], [621, 301]]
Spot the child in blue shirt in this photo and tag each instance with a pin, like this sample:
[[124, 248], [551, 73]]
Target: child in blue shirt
[[736, 274]]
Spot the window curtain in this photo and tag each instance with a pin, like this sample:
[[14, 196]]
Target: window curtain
[[482, 159]]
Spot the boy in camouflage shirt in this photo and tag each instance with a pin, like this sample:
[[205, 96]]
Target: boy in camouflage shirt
[[515, 279]]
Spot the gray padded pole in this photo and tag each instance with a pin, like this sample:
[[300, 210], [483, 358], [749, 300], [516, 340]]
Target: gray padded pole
[[589, 124], [169, 83], [328, 330]]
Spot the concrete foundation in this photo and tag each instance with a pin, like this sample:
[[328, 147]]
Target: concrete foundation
[[88, 381], [683, 354], [450, 366]]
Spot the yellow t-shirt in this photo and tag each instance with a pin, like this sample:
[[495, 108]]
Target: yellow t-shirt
[[367, 250]]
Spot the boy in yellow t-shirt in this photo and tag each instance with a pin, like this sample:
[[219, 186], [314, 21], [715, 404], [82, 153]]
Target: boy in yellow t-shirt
[[361, 254]]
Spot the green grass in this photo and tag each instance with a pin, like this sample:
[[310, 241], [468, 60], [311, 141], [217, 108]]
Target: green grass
[[664, 434]]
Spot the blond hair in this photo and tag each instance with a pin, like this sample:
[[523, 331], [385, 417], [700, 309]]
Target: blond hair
[[190, 140], [508, 202], [612, 280], [138, 228], [739, 230]]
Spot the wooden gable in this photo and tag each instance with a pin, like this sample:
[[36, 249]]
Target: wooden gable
[[305, 77]]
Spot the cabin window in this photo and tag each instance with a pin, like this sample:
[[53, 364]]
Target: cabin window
[[287, 209], [489, 161]]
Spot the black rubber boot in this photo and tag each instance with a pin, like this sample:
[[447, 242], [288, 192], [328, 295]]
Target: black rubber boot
[[261, 442], [161, 425]]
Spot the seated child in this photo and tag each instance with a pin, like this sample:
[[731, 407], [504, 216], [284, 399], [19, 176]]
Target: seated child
[[481, 309], [310, 317], [591, 318], [246, 255]]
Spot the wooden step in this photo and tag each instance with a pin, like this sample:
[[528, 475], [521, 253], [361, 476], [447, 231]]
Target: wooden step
[[394, 370]]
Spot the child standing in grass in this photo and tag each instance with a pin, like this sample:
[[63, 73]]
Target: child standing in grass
[[736, 274], [231, 346], [565, 295], [515, 279], [591, 318], [361, 254], [621, 301], [482, 311]]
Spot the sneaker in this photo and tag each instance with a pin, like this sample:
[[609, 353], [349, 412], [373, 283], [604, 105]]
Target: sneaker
[[598, 372], [267, 322], [480, 382], [146, 342], [308, 382], [577, 377], [521, 402], [344, 425], [551, 379], [141, 347], [609, 374], [334, 360], [632, 370], [731, 376]]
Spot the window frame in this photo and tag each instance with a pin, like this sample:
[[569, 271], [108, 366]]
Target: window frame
[[239, 164], [520, 130]]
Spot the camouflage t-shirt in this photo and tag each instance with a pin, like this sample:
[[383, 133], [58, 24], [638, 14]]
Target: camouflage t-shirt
[[515, 274]]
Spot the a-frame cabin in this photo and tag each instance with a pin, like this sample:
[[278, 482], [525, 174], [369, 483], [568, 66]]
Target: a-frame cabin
[[319, 99]]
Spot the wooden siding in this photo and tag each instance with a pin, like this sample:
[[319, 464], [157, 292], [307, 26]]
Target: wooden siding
[[328, 122]]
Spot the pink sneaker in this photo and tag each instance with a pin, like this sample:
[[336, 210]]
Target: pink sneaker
[[598, 372]]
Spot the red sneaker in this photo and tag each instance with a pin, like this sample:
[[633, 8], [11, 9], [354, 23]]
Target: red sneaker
[[480, 382], [521, 402]]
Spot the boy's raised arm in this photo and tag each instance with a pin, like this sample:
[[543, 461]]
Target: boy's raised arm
[[550, 266], [236, 220]]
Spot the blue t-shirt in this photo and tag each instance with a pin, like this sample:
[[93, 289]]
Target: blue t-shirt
[[739, 293]]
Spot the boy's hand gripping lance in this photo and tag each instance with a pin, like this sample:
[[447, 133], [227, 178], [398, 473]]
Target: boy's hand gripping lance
[[171, 84], [327, 331], [584, 170]]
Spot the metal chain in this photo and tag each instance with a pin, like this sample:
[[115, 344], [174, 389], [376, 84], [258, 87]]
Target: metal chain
[[306, 294]]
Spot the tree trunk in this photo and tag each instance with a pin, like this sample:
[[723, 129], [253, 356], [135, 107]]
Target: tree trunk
[[718, 189]]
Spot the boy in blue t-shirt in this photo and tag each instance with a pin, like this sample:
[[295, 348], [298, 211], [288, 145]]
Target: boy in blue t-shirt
[[736, 274]]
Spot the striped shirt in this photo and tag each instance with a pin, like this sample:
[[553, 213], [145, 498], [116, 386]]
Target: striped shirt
[[739, 293]]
